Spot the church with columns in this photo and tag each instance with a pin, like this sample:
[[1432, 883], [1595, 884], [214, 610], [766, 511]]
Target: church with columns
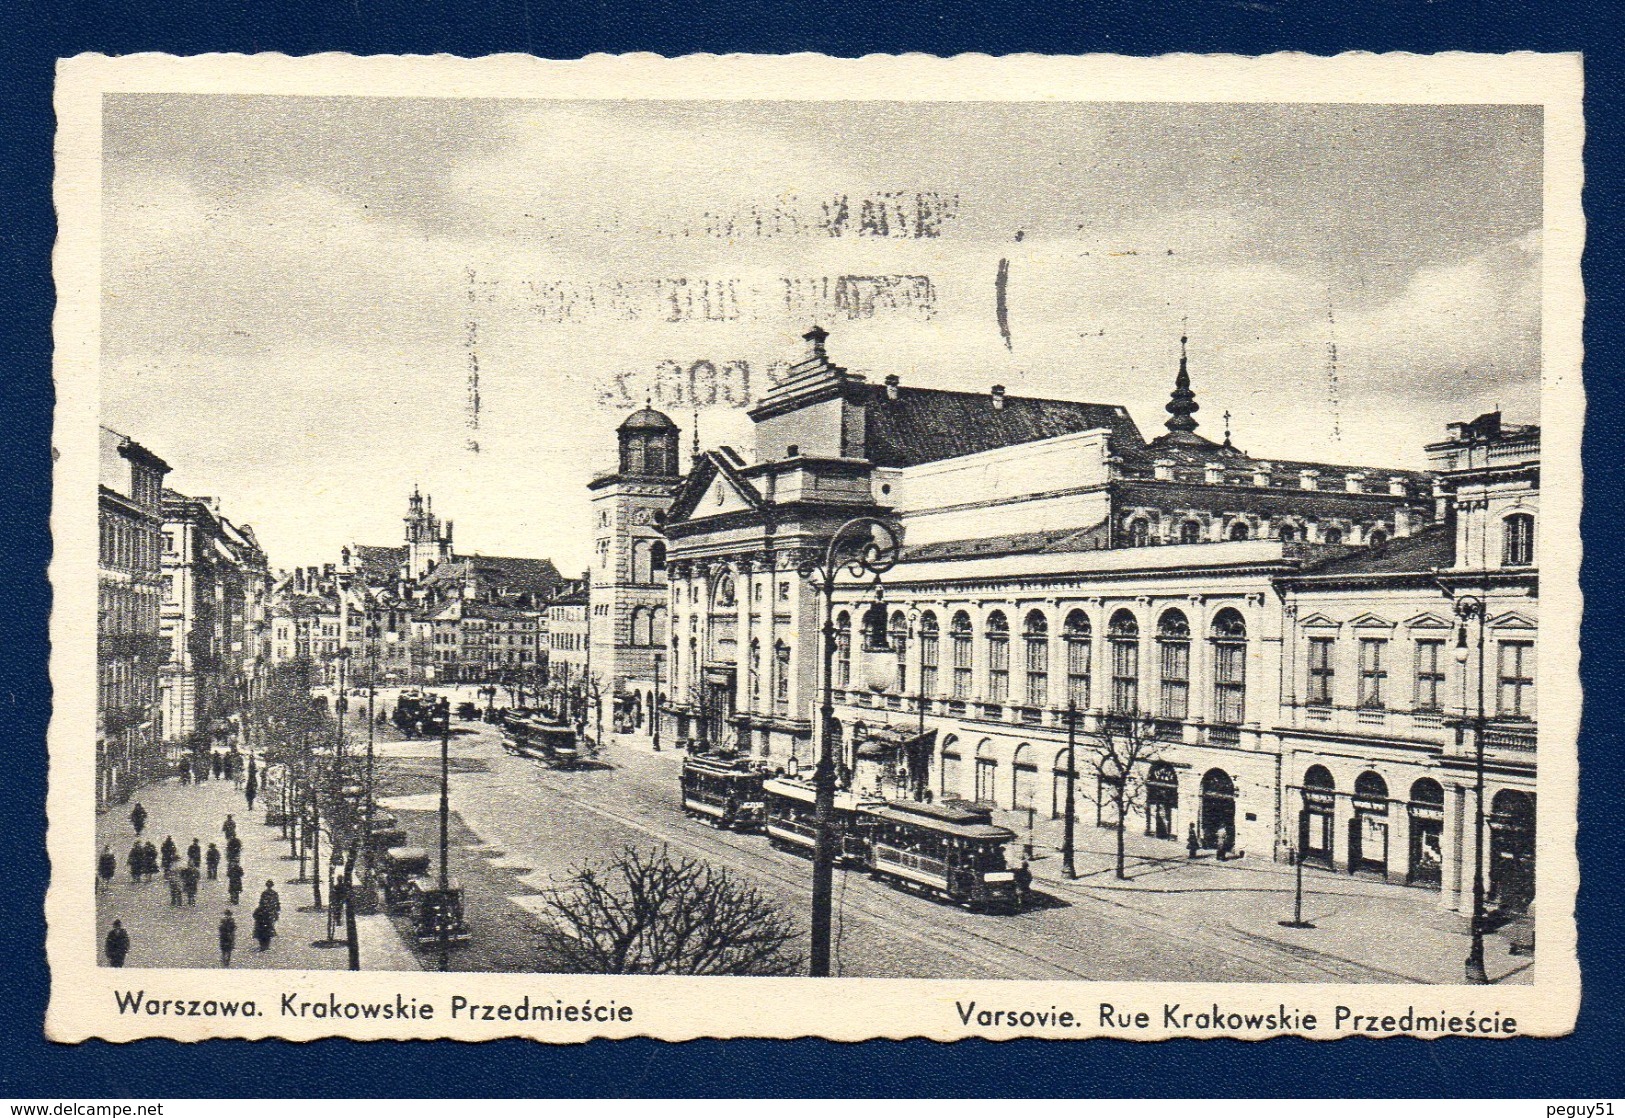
[[1313, 653]]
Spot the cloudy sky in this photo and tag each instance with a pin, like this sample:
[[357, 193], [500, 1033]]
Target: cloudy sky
[[299, 293]]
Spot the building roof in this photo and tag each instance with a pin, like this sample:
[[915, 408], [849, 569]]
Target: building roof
[[499, 572], [377, 564], [303, 605], [1429, 550], [647, 419], [929, 424]]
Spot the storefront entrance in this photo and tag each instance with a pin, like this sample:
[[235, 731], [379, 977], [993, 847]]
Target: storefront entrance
[[1427, 834], [1315, 830], [1218, 807], [1368, 830], [1162, 801], [1512, 850]]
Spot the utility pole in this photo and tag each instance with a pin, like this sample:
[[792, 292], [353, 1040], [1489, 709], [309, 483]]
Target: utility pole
[[1297, 920], [1068, 840], [656, 713], [445, 819]]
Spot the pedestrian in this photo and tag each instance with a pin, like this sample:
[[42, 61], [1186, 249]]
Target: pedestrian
[[234, 881], [234, 850], [106, 866], [176, 898], [264, 928], [1024, 884], [229, 827], [194, 854], [212, 860], [271, 901], [185, 772], [1192, 843], [149, 859], [138, 817], [189, 878], [117, 944], [169, 853], [1223, 839], [137, 861], [228, 938], [252, 788], [217, 766]]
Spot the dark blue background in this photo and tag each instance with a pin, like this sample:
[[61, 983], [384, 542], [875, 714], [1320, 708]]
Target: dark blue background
[[35, 34]]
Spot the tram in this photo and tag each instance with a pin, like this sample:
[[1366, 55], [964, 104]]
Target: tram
[[530, 734], [949, 850], [422, 713], [722, 792], [791, 822]]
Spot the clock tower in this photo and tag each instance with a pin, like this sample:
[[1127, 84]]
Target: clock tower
[[629, 615]]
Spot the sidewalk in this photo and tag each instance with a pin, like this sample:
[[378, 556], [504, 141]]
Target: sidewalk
[[1389, 929], [162, 935]]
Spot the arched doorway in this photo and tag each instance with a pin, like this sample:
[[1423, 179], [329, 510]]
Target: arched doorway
[[1512, 850], [1218, 807], [1024, 779], [952, 777], [1427, 833], [987, 774], [1315, 822], [1368, 830], [1162, 801]]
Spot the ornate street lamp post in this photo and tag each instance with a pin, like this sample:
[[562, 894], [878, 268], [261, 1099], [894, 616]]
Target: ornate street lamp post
[[1469, 608], [862, 546]]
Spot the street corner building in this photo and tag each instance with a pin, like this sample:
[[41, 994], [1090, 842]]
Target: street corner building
[[1325, 662]]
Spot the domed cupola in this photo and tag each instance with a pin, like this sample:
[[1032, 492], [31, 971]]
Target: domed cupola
[[648, 441]]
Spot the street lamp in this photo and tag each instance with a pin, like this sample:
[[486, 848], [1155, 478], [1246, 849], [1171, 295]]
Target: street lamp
[[1069, 864], [870, 548], [1297, 920], [1469, 608], [656, 713]]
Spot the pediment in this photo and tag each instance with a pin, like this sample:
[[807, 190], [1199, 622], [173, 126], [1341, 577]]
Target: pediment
[[1429, 620], [1512, 619], [1318, 621], [1371, 621]]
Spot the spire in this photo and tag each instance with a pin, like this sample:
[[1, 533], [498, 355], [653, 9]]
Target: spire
[[817, 336], [1182, 404], [695, 460], [1227, 428]]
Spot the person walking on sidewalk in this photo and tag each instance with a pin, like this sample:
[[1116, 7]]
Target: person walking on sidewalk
[[138, 817], [1223, 840], [1024, 885], [229, 827], [174, 879], [189, 878], [1192, 843], [234, 881], [194, 854], [271, 901], [265, 916], [117, 944], [169, 854], [228, 938], [106, 867], [136, 860], [234, 850], [149, 859], [212, 861], [252, 788]]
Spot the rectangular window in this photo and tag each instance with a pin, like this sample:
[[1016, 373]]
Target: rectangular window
[[962, 665], [781, 678], [1176, 679], [1078, 653], [784, 591], [1038, 671], [843, 657], [928, 664], [1125, 676], [998, 669], [1429, 674], [1372, 672], [1320, 671], [1515, 691], [1230, 682]]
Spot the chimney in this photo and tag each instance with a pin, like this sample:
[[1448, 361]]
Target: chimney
[[1213, 473], [1163, 469], [892, 381], [1354, 483], [998, 397], [1261, 474], [344, 555], [1308, 479], [1396, 487]]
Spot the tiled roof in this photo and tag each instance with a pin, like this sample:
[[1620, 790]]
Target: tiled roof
[[537, 576], [1025, 543], [1427, 551], [378, 564], [929, 424]]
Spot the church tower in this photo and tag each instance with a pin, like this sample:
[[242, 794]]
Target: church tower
[[426, 545], [628, 612]]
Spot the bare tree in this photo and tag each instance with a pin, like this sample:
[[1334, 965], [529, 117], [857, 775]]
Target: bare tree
[[648, 914], [1121, 752]]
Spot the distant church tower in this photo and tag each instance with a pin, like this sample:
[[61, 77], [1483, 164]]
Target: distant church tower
[[629, 616], [426, 544]]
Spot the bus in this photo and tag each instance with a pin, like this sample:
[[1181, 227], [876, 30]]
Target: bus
[[949, 850], [790, 819], [722, 792]]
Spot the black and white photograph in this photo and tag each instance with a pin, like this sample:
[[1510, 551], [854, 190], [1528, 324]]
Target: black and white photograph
[[1005, 541]]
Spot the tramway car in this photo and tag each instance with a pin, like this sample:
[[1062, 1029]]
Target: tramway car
[[722, 792], [530, 734], [422, 714], [949, 850], [791, 822]]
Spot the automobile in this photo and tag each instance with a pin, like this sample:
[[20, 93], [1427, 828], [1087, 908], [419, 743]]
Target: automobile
[[468, 712]]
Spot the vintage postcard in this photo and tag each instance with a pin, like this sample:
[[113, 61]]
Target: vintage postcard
[[774, 547]]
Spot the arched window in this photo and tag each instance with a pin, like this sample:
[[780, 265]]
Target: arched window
[[781, 678], [1174, 661], [1377, 537], [987, 773], [998, 658], [1124, 635], [725, 591], [1239, 530], [657, 556], [929, 652], [1371, 792], [1427, 792], [843, 649], [640, 627], [641, 571], [755, 672], [1287, 533], [1058, 780], [1332, 535], [1229, 668], [1190, 532], [1518, 540], [634, 454], [657, 626], [959, 634], [1035, 635], [1079, 652], [952, 778], [1139, 532], [1024, 779], [899, 644]]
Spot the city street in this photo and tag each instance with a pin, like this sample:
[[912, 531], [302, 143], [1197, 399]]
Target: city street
[[519, 827]]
